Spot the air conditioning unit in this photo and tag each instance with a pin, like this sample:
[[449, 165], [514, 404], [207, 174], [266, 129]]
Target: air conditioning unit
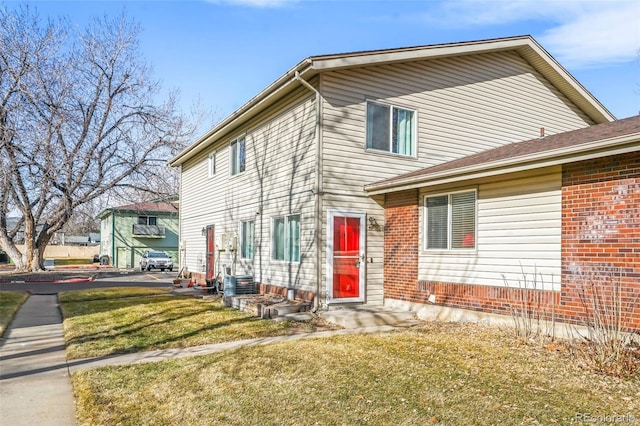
[[235, 285]]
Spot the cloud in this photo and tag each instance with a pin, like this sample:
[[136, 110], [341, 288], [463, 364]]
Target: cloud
[[579, 34], [606, 36]]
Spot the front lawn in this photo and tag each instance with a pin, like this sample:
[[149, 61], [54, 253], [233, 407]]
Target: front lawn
[[436, 373], [10, 302], [101, 322]]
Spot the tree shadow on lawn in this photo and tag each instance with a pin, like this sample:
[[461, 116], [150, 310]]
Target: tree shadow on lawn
[[141, 327], [71, 309]]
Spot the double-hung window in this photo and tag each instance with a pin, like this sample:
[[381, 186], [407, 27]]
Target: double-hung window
[[246, 248], [285, 238], [391, 129], [451, 221], [212, 164], [237, 154]]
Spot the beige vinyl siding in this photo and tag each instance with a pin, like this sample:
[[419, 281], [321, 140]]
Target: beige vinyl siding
[[518, 234], [279, 170], [463, 105]]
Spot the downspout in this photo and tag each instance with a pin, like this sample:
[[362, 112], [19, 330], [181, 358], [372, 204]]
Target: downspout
[[113, 236], [317, 190]]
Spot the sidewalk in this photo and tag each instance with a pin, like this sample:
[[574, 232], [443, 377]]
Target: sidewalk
[[35, 388]]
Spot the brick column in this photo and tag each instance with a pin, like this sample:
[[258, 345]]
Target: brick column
[[401, 244]]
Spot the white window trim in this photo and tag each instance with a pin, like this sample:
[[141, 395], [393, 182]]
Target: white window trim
[[286, 240], [231, 156], [211, 163], [449, 249], [414, 154], [242, 239]]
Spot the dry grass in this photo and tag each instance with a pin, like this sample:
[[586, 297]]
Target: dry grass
[[10, 302], [101, 322], [436, 373]]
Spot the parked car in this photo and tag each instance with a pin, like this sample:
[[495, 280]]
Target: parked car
[[156, 260]]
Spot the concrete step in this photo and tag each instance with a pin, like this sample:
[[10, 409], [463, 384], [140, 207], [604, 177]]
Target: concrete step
[[366, 316]]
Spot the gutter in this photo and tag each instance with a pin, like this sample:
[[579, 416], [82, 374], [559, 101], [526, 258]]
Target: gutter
[[272, 90], [317, 191]]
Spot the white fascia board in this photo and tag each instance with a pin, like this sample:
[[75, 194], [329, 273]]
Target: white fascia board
[[418, 53], [236, 117], [587, 151]]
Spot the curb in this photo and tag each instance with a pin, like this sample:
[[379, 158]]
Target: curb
[[69, 281]]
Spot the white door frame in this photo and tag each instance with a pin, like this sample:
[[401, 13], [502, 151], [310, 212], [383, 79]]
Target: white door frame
[[331, 214]]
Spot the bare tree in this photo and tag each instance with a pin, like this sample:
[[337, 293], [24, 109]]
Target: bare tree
[[79, 117]]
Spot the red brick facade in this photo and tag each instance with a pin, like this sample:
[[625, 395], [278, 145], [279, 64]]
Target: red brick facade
[[600, 246]]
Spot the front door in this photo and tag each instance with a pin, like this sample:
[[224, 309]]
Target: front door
[[345, 256], [211, 254]]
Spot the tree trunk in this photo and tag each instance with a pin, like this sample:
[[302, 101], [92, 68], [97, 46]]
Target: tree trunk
[[18, 259]]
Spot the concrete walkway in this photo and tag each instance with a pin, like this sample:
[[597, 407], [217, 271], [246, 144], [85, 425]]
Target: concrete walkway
[[35, 385], [35, 388]]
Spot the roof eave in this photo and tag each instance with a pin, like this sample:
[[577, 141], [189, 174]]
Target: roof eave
[[613, 146], [240, 115]]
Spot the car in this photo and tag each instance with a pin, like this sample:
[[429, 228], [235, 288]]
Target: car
[[156, 260]]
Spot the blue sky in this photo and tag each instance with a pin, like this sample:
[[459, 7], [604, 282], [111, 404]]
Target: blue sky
[[223, 52]]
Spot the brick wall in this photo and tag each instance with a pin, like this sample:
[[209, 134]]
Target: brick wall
[[400, 244], [600, 249], [601, 235]]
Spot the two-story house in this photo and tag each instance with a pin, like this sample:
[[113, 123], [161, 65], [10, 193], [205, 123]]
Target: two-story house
[[128, 231], [291, 188]]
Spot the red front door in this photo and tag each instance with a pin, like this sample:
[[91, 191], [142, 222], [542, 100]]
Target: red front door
[[346, 254], [211, 253]]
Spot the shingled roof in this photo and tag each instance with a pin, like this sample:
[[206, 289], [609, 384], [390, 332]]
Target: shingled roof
[[617, 136], [144, 208]]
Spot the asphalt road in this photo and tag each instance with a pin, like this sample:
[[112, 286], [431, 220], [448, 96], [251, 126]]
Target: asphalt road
[[123, 279]]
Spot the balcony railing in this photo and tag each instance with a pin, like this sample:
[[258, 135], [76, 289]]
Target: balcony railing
[[148, 231]]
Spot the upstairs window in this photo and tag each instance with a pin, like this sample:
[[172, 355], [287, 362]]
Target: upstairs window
[[147, 220], [237, 155], [391, 129], [451, 221], [212, 164]]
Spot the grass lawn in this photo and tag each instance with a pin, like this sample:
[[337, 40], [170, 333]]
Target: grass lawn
[[435, 373], [10, 302], [101, 322]]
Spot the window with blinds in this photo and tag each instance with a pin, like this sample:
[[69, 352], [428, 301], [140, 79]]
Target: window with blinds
[[451, 221]]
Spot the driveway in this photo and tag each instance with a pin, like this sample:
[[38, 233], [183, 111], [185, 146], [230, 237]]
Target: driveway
[[56, 281]]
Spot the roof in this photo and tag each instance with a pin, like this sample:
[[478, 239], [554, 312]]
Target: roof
[[144, 207], [305, 70], [617, 137]]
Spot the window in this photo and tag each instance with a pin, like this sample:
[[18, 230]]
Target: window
[[285, 241], [246, 249], [451, 221], [237, 147], [212, 164], [147, 220], [391, 129]]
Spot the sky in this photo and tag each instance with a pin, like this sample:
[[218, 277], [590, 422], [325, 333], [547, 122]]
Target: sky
[[223, 52]]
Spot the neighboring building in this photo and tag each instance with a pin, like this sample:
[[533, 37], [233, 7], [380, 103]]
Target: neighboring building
[[127, 231], [277, 190]]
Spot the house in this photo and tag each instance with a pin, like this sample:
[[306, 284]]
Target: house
[[128, 231], [296, 188], [555, 222]]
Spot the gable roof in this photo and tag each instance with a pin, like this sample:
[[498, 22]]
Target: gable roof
[[310, 67], [617, 137], [142, 208]]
